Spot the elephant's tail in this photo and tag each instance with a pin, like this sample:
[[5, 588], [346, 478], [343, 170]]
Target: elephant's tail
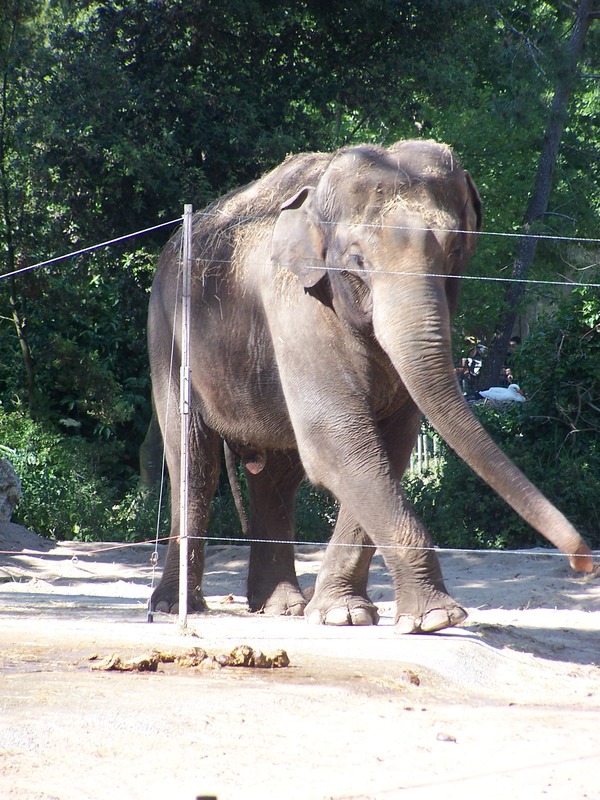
[[231, 462]]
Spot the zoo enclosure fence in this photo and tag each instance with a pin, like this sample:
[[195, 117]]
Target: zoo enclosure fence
[[427, 452]]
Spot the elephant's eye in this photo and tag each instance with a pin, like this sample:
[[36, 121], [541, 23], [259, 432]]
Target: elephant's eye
[[356, 260]]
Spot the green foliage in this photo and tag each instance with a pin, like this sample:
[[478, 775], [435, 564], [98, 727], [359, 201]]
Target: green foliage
[[113, 114], [498, 130], [139, 516], [554, 438], [62, 497], [65, 494], [85, 326], [316, 513], [224, 523]]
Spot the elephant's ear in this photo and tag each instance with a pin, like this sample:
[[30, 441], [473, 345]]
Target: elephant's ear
[[297, 242]]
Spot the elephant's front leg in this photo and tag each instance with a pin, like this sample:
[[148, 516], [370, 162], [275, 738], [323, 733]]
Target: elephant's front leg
[[422, 601], [340, 596], [272, 583], [423, 604]]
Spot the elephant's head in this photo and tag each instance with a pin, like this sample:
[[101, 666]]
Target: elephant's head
[[380, 238]]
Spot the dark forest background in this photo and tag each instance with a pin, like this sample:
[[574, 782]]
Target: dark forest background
[[115, 114]]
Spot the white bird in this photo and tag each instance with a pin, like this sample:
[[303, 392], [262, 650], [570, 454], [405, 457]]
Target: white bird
[[501, 395]]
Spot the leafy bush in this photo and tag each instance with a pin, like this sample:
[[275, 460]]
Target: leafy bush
[[61, 496], [554, 438], [224, 520], [64, 493], [316, 513], [139, 516]]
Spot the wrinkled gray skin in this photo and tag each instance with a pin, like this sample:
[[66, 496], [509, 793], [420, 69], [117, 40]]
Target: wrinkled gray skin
[[320, 335]]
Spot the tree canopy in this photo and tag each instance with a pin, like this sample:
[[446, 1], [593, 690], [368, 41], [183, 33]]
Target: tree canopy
[[114, 114]]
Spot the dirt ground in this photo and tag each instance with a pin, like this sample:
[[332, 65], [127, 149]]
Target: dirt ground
[[506, 706]]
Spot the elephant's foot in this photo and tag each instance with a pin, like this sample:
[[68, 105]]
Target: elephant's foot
[[166, 599], [285, 601], [432, 620], [349, 610]]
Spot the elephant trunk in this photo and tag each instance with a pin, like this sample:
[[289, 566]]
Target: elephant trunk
[[421, 353]]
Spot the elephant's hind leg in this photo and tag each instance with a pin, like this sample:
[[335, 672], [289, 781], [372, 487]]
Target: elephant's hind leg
[[204, 467], [272, 583]]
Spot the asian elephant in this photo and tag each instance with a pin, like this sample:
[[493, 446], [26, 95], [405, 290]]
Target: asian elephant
[[320, 334]]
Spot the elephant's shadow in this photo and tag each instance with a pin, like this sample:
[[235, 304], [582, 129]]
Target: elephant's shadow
[[571, 645], [529, 601]]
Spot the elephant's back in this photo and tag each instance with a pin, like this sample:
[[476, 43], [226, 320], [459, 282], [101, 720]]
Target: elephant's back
[[263, 197], [231, 222]]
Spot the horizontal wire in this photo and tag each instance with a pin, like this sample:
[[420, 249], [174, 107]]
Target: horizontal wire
[[506, 234], [246, 541], [243, 219], [88, 249], [110, 547], [431, 549], [491, 279], [461, 277]]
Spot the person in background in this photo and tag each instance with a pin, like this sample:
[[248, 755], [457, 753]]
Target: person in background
[[470, 367], [507, 369]]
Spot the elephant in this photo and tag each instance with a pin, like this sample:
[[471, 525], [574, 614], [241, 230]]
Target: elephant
[[321, 299]]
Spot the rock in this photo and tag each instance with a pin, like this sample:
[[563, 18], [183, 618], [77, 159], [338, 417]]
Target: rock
[[245, 656], [16, 538], [145, 663], [408, 676], [10, 490], [241, 656], [192, 659]]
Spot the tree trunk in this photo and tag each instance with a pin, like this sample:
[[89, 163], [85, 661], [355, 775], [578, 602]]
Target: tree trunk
[[538, 204], [6, 210], [28, 363]]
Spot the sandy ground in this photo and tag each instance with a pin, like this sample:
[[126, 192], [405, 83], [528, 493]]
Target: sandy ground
[[507, 706]]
